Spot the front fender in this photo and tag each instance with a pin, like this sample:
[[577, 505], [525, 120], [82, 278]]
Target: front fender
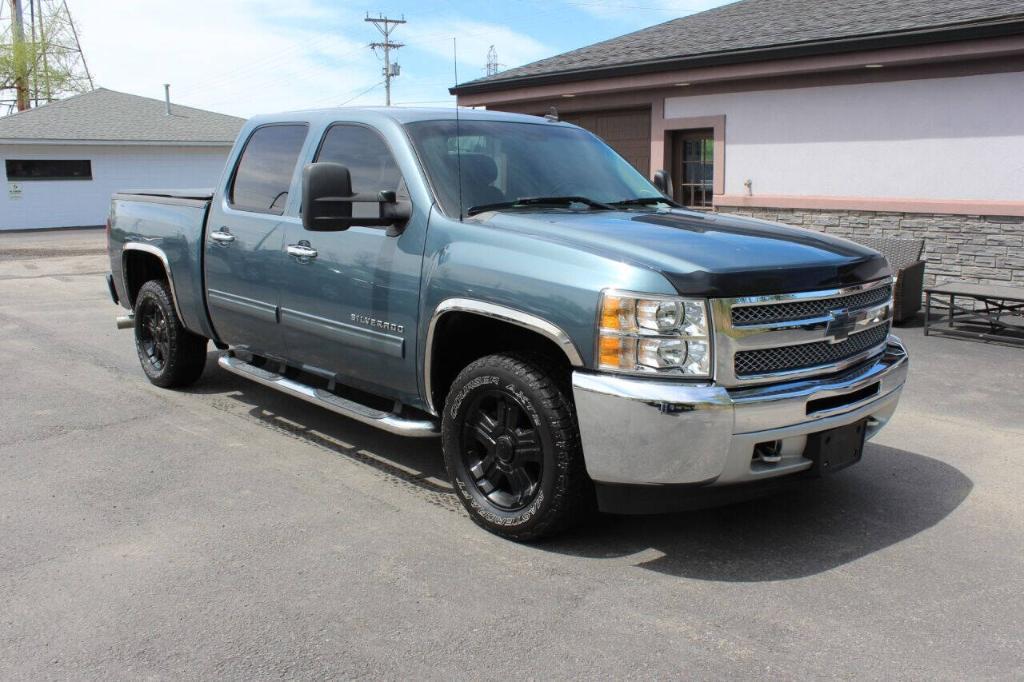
[[555, 285]]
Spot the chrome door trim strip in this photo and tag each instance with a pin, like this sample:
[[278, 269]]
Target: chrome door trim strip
[[341, 332], [242, 304], [497, 312]]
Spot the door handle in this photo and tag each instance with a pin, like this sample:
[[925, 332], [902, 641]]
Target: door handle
[[301, 251], [222, 235]]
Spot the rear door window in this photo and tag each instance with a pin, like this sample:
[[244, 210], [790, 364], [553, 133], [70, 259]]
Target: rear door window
[[264, 172]]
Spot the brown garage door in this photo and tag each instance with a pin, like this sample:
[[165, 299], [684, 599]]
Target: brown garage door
[[628, 132]]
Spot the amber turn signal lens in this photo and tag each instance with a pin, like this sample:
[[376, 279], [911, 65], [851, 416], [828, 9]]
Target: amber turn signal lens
[[618, 313], [617, 352]]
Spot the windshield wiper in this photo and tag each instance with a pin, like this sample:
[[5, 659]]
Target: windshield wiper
[[645, 201], [539, 201]]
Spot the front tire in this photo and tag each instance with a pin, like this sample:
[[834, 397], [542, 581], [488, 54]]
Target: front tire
[[512, 448], [171, 355]]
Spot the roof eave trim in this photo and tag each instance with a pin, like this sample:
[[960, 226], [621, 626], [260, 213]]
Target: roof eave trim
[[825, 47]]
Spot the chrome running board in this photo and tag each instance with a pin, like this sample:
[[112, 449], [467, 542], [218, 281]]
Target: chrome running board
[[386, 421]]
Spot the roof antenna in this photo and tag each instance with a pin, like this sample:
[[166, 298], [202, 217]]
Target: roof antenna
[[458, 138]]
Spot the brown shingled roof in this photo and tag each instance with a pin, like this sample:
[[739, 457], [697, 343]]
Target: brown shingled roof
[[754, 30]]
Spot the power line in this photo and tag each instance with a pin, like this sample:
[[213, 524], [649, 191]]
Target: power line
[[385, 26], [450, 100], [218, 80], [350, 99], [234, 78], [228, 79]]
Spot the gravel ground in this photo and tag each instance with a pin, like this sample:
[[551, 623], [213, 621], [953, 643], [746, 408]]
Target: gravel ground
[[233, 532]]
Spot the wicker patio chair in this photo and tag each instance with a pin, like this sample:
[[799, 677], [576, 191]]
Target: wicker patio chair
[[904, 256]]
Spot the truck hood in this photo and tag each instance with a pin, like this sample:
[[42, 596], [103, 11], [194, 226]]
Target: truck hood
[[712, 254]]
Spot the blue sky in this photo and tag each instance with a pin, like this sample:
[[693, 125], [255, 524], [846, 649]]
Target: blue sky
[[253, 56]]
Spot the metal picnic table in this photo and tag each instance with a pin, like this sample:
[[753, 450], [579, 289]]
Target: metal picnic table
[[996, 313]]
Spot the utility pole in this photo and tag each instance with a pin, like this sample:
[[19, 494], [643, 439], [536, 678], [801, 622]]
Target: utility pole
[[20, 58], [386, 26], [492, 61], [35, 76]]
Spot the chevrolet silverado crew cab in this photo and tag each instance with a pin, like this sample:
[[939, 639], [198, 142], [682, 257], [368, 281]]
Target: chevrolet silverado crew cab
[[512, 285]]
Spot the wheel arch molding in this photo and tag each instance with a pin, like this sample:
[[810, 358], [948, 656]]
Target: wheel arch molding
[[156, 256], [492, 313]]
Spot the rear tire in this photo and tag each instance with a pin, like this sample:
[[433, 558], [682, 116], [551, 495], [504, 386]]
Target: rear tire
[[171, 355], [512, 448]]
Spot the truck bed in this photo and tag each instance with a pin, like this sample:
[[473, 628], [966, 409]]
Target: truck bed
[[168, 224]]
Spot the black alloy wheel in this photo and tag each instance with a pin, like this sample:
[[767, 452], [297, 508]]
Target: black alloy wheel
[[154, 339], [171, 356], [502, 450], [512, 447]]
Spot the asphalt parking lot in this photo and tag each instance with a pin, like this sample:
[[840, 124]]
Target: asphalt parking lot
[[230, 531]]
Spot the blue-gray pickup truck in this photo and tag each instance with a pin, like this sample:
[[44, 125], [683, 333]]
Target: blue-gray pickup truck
[[512, 285]]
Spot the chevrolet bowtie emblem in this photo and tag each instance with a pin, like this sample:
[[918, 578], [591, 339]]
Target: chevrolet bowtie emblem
[[840, 324]]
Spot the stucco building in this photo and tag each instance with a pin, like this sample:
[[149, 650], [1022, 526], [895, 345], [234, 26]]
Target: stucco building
[[858, 117], [63, 160]]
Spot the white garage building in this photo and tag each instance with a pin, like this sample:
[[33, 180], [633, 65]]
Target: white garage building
[[62, 161]]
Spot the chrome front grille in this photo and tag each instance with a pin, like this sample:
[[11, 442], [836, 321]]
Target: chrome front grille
[[801, 310], [789, 358], [762, 339]]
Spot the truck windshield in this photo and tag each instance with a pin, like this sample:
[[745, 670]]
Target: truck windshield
[[504, 161]]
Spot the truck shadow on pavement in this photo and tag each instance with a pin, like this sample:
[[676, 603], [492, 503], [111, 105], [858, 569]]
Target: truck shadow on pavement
[[890, 496]]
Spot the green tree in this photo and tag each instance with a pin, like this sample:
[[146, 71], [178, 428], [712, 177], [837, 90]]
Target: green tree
[[42, 61]]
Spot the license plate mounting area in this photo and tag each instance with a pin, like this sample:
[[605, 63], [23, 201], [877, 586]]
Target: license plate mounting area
[[837, 448]]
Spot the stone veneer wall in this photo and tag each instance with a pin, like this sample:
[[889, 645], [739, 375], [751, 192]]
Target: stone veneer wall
[[982, 249]]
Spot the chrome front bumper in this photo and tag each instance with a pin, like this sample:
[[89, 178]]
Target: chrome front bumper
[[637, 431]]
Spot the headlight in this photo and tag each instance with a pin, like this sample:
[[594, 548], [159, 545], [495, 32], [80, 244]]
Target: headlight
[[645, 333]]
